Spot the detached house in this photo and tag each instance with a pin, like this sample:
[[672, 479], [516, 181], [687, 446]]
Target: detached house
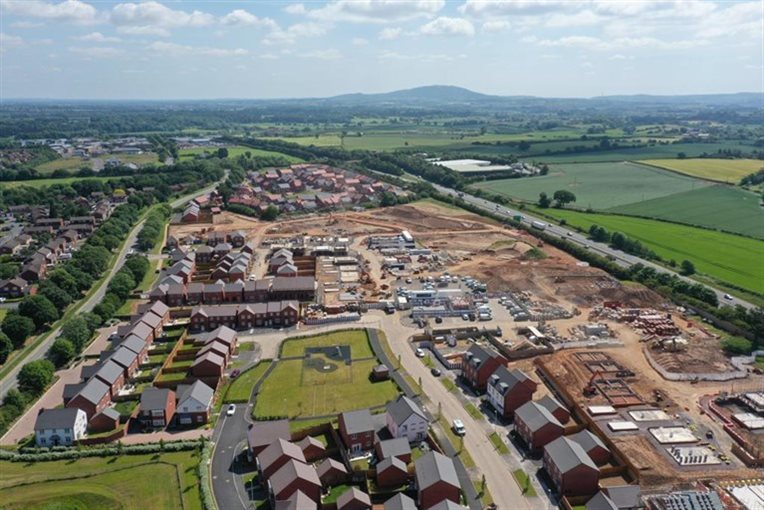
[[404, 418], [157, 407], [357, 430], [60, 427], [194, 403], [436, 480], [14, 287]]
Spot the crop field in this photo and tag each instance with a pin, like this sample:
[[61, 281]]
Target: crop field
[[597, 185], [355, 338], [77, 163], [720, 207], [726, 257], [236, 151], [722, 170], [126, 482], [40, 183]]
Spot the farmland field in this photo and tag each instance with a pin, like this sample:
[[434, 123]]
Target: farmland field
[[720, 207], [76, 163], [127, 482], [236, 151], [722, 170], [39, 183], [597, 185], [726, 257]]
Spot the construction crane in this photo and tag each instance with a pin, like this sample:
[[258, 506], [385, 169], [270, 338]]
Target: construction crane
[[590, 389]]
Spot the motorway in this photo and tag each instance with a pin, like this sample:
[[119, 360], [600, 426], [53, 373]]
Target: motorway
[[622, 259], [39, 352]]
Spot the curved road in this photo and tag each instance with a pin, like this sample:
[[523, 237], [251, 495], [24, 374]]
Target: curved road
[[39, 352], [622, 259]]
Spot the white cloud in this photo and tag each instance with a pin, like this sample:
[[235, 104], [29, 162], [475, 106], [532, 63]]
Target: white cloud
[[578, 19], [68, 11], [435, 57], [360, 41], [179, 50], [390, 33], [370, 11], [240, 17], [154, 18], [290, 34], [329, 54], [594, 43], [97, 37], [495, 25], [96, 51], [514, 7], [27, 24], [448, 26], [8, 41]]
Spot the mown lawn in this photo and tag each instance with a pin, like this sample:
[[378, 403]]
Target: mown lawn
[[241, 387], [521, 477], [128, 482], [292, 390], [500, 446], [356, 339]]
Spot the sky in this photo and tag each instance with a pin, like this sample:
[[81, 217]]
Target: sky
[[181, 49]]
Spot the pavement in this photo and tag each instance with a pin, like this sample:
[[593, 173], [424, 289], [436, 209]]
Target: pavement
[[622, 259], [87, 305]]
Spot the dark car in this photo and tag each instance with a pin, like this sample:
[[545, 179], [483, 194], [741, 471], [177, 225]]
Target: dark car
[[435, 371], [235, 373], [438, 320]]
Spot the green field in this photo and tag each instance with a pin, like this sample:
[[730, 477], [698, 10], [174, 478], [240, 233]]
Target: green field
[[692, 150], [726, 257], [241, 387], [722, 170], [40, 183], [301, 388], [236, 151], [166, 481], [718, 206], [355, 338], [77, 163], [597, 185]]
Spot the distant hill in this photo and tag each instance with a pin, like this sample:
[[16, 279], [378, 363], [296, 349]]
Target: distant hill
[[431, 93]]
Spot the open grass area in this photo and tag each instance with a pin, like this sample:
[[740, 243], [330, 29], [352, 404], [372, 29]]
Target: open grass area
[[128, 482], [449, 384], [719, 207], [474, 412], [41, 183], [355, 338], [76, 163], [483, 493], [722, 170], [241, 387], [500, 446], [236, 151], [597, 185], [726, 257], [521, 477], [295, 389]]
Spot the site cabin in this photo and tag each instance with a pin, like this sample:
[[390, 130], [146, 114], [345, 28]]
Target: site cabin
[[537, 426], [478, 364], [276, 455], [292, 477], [404, 418], [312, 448], [436, 480], [353, 499], [194, 403], [357, 430], [92, 398], [571, 470], [262, 434], [157, 407], [60, 427], [331, 472], [509, 389], [391, 472]]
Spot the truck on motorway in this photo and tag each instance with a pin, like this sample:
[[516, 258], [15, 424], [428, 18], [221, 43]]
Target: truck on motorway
[[517, 217], [540, 225]]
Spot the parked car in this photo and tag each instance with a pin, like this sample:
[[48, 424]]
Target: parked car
[[419, 353], [435, 371], [465, 317], [235, 373], [728, 297], [458, 427], [438, 320], [231, 409]]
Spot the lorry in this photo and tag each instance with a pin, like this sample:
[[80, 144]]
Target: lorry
[[539, 225]]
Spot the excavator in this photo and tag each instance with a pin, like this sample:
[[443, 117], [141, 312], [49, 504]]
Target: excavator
[[590, 389]]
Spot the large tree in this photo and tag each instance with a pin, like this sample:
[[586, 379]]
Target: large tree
[[62, 352], [18, 328], [36, 375], [77, 330], [544, 201], [564, 197], [688, 267], [6, 346], [39, 309]]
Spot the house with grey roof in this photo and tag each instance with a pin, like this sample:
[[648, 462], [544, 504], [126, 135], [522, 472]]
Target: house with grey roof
[[60, 427], [262, 433], [297, 501], [625, 497], [447, 505], [509, 389], [354, 499], [391, 472], [331, 472], [398, 447], [194, 403], [292, 477], [135, 344], [536, 425], [92, 398], [404, 418], [400, 502], [127, 359], [357, 430], [554, 406], [276, 455], [436, 480], [113, 375], [157, 407], [571, 470], [592, 445]]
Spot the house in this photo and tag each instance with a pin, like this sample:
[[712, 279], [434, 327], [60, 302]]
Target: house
[[436, 480], [297, 501], [397, 448], [391, 472], [571, 470], [600, 501], [357, 430], [558, 410], [301, 288], [276, 455], [447, 505], [154, 322], [287, 271], [208, 365], [292, 477], [92, 398], [223, 335], [161, 310], [194, 403], [312, 448], [238, 238], [215, 347], [478, 364], [404, 418], [34, 271], [592, 445], [135, 344], [204, 254], [142, 331], [14, 287], [157, 407], [353, 499], [127, 359], [263, 433], [536, 425], [509, 389], [331, 472], [60, 427], [113, 375], [400, 502], [624, 497], [106, 420], [71, 390]]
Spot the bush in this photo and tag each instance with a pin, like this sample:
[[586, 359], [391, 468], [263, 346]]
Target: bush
[[737, 345]]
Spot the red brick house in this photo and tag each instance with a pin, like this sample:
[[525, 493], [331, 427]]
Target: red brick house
[[13, 288], [312, 448], [208, 365], [391, 472], [571, 470], [157, 407], [353, 499], [331, 472], [357, 430], [592, 445], [509, 389], [537, 426], [558, 410], [218, 348], [262, 433], [436, 480], [478, 364], [276, 455], [106, 420], [92, 398], [398, 448], [112, 375], [127, 359], [292, 477]]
